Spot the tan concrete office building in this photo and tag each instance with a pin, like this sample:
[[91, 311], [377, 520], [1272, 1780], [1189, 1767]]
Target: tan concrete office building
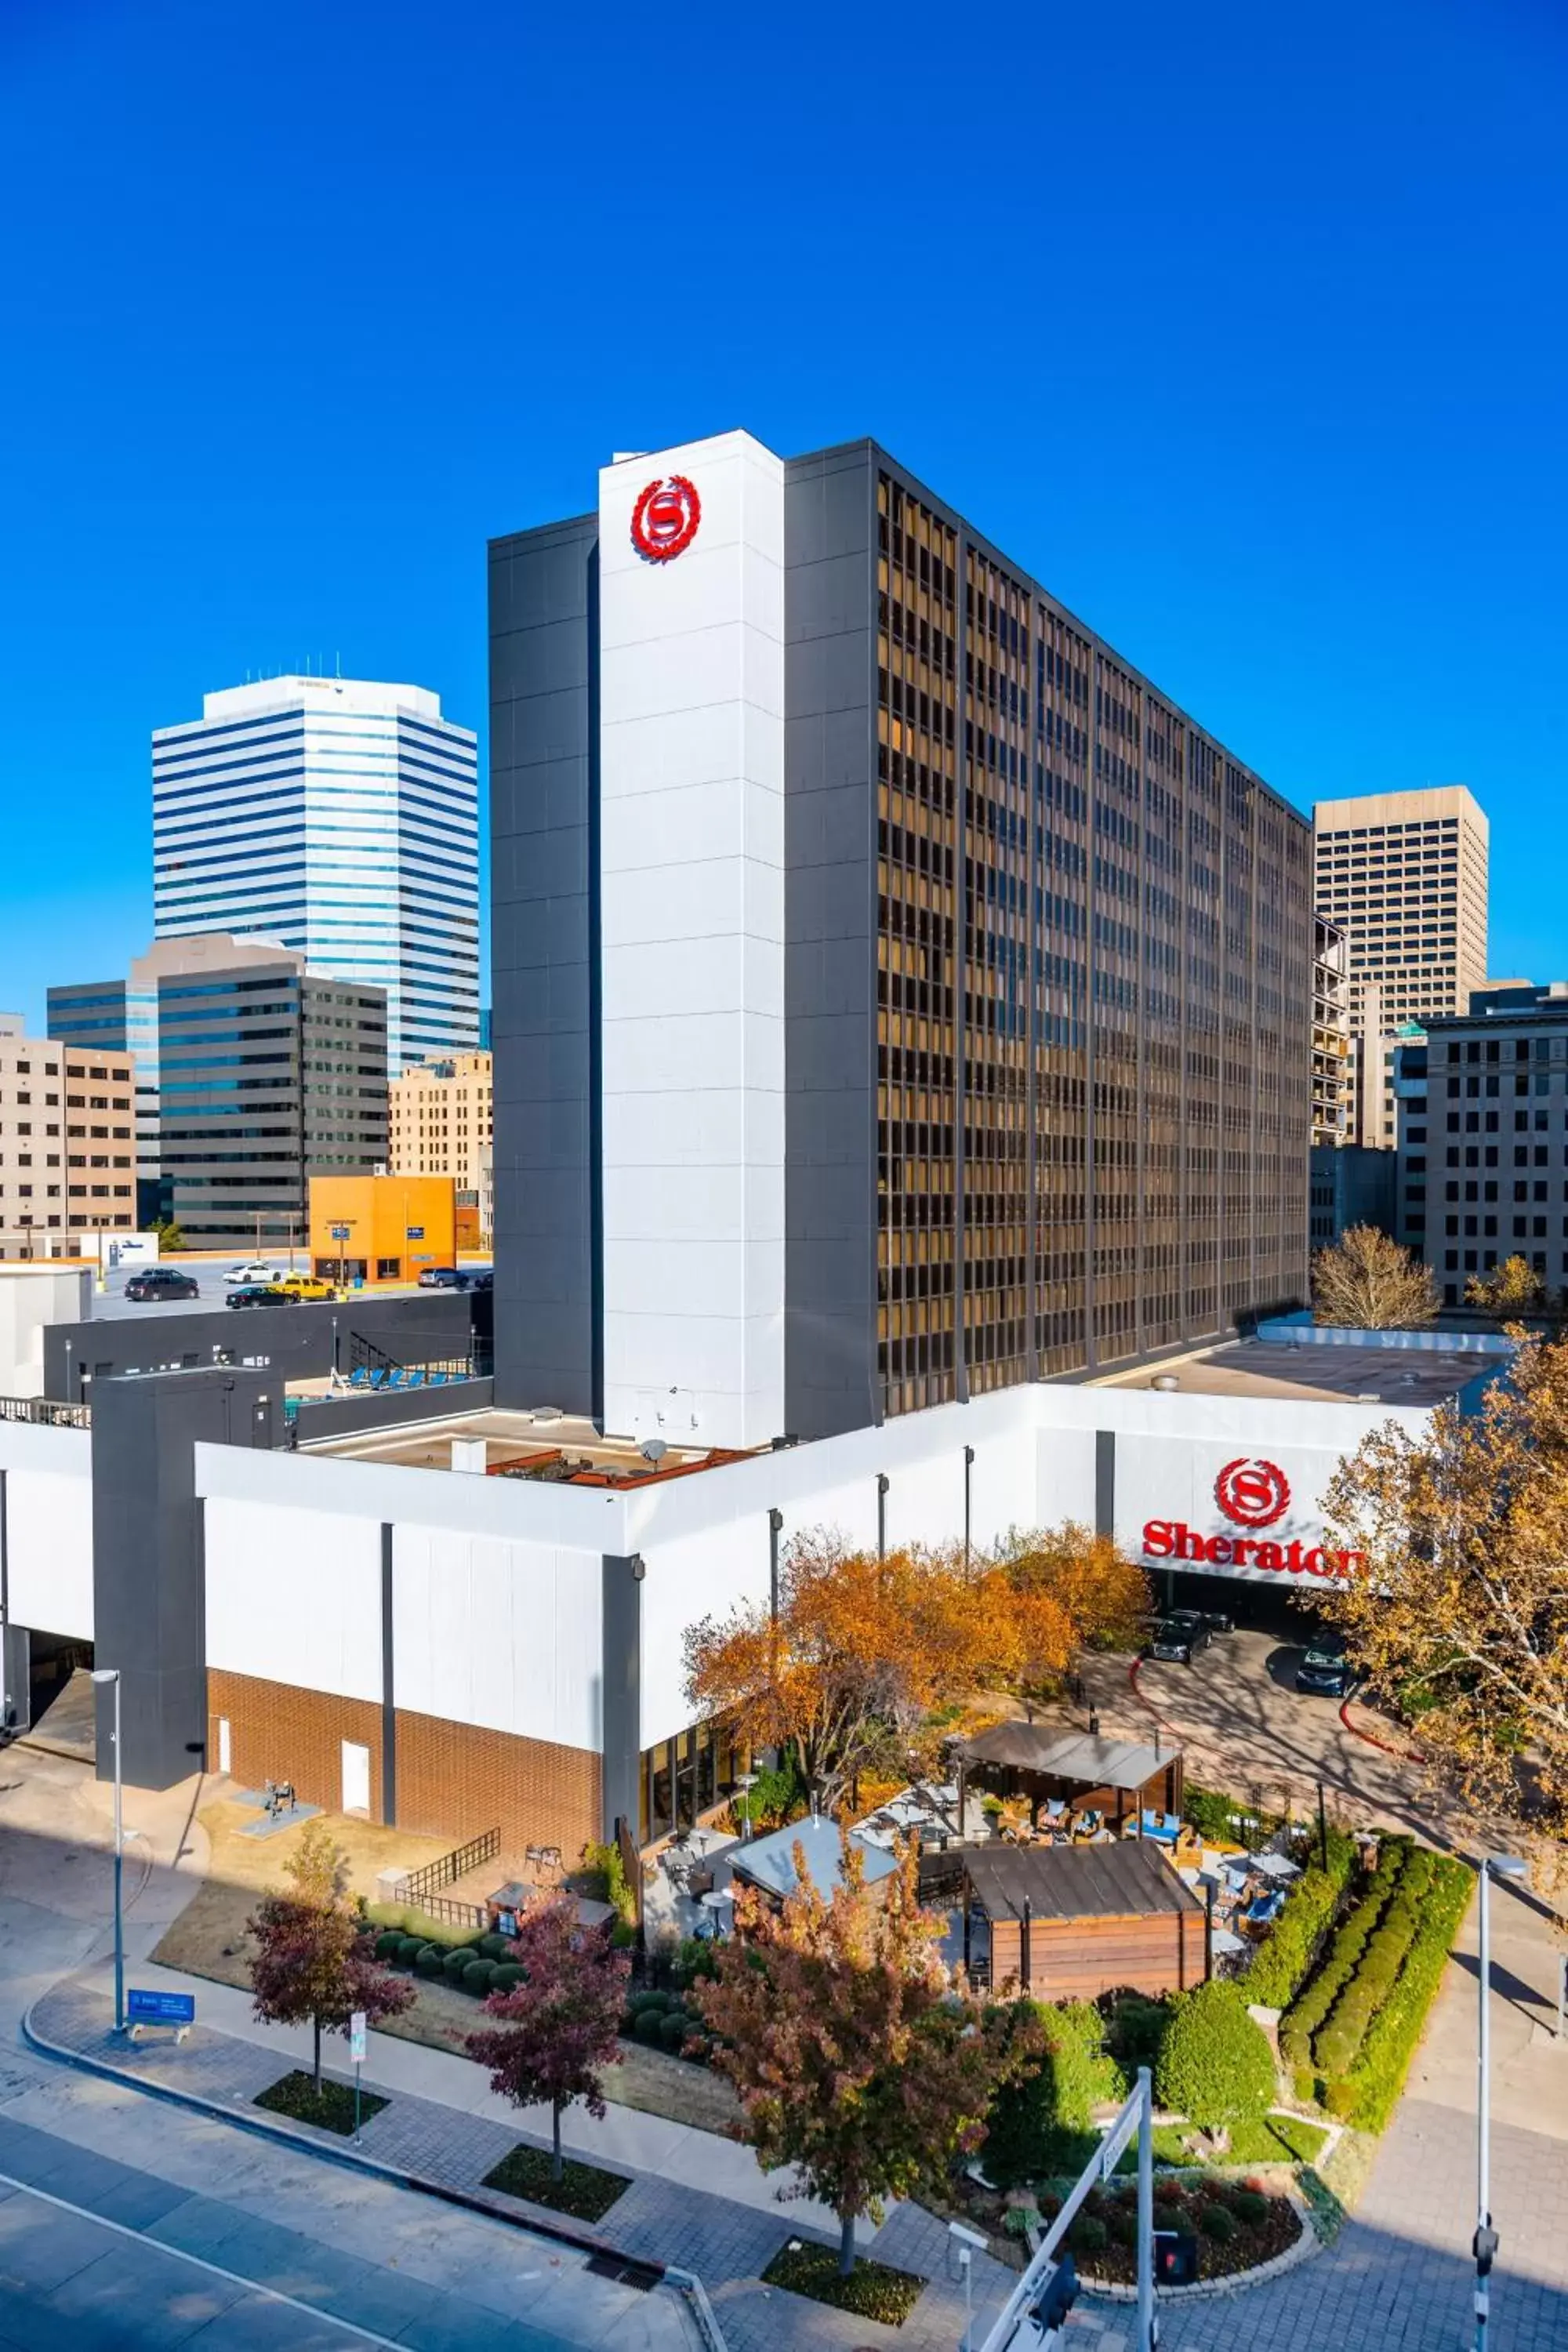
[[441, 1124], [1403, 874], [67, 1144]]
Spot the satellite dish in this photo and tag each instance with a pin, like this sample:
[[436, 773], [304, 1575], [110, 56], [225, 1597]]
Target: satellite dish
[[653, 1449]]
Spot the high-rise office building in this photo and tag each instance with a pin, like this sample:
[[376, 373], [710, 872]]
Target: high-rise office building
[[267, 1074], [896, 996], [341, 819], [1403, 874], [1483, 1139]]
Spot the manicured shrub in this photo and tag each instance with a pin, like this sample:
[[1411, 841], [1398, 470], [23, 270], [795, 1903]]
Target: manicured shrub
[[454, 1963], [1218, 2223], [478, 1978], [1089, 2234], [1378, 2075], [673, 2029], [1168, 2216], [388, 1945], [494, 1947], [655, 2003], [429, 1961], [627, 2025], [1036, 2124], [649, 2029], [410, 1948], [508, 1976], [1123, 2224], [1216, 2065], [1250, 2206], [623, 1935], [1134, 2029], [1280, 1965]]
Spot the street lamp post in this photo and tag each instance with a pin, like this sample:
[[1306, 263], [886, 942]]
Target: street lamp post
[[1485, 2243], [111, 1675]]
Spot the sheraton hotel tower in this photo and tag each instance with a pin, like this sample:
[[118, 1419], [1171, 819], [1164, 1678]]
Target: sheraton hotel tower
[[896, 996]]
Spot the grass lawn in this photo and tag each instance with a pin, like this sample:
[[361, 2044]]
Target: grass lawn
[[295, 2094], [208, 1938], [1275, 2139], [871, 2291], [582, 2191]]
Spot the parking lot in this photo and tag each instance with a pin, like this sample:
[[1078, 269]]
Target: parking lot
[[211, 1276]]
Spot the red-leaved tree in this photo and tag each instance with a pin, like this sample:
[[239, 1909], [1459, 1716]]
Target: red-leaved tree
[[557, 2029], [857, 2056], [314, 1957]]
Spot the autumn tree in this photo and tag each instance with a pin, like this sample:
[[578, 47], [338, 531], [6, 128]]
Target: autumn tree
[[1368, 1282], [864, 1648], [556, 2030], [856, 2055], [1086, 1579], [1514, 1287], [1461, 1591], [314, 1959]]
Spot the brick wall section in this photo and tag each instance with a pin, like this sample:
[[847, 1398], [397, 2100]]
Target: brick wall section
[[279, 1733], [459, 1778], [454, 1780]]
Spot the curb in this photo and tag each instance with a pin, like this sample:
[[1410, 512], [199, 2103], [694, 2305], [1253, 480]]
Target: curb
[[1400, 1754], [473, 2200]]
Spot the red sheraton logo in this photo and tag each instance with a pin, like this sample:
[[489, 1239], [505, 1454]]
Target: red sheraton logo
[[665, 519], [1173, 1539], [1252, 1493]]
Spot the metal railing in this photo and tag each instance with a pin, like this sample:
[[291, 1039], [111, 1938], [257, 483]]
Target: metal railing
[[45, 1414], [447, 1868], [452, 1914]]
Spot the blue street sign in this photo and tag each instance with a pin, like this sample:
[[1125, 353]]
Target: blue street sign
[[339, 1233], [161, 2008], [416, 1233]]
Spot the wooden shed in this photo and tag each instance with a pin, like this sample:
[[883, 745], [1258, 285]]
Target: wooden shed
[[1068, 1923]]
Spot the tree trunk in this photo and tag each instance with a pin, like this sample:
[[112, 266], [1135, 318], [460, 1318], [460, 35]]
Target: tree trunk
[[555, 2159], [845, 2245]]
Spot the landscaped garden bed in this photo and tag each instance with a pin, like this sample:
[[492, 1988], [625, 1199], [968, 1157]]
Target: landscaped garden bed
[[871, 2291], [333, 2109], [1237, 2225], [584, 2190]]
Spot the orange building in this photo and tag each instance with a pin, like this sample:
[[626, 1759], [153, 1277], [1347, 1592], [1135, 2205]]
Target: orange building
[[373, 1229]]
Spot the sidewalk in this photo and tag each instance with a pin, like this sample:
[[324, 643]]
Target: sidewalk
[[696, 2201]]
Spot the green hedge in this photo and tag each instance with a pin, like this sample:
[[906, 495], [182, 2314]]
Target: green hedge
[[1337, 2044], [1306, 2014], [1215, 2066], [1280, 1965], [1368, 2094]]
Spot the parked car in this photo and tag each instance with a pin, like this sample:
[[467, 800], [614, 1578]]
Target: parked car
[[1325, 1670], [251, 1269], [481, 1278], [1179, 1636], [261, 1294], [303, 1286], [1218, 1621], [161, 1282], [440, 1277]]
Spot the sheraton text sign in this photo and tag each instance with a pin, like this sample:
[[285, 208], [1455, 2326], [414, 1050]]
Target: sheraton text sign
[[1172, 1539]]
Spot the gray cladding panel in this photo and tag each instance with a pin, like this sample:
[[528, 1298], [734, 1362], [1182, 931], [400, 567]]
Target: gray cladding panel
[[543, 596], [830, 1188]]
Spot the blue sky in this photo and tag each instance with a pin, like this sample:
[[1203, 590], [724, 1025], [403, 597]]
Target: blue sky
[[1242, 328]]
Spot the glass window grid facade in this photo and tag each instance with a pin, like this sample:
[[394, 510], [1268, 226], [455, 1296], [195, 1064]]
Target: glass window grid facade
[[1094, 993]]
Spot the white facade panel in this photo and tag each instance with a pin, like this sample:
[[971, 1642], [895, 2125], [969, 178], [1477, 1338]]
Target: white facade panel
[[698, 1576], [48, 1547], [294, 1596], [1165, 1485], [506, 1636], [691, 780]]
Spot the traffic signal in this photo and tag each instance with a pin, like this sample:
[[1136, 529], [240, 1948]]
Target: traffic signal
[[1058, 2294]]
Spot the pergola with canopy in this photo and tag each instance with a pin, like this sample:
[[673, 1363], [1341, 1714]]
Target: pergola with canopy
[[1043, 1763]]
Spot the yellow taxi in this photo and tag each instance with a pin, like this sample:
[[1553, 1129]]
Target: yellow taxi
[[304, 1285]]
